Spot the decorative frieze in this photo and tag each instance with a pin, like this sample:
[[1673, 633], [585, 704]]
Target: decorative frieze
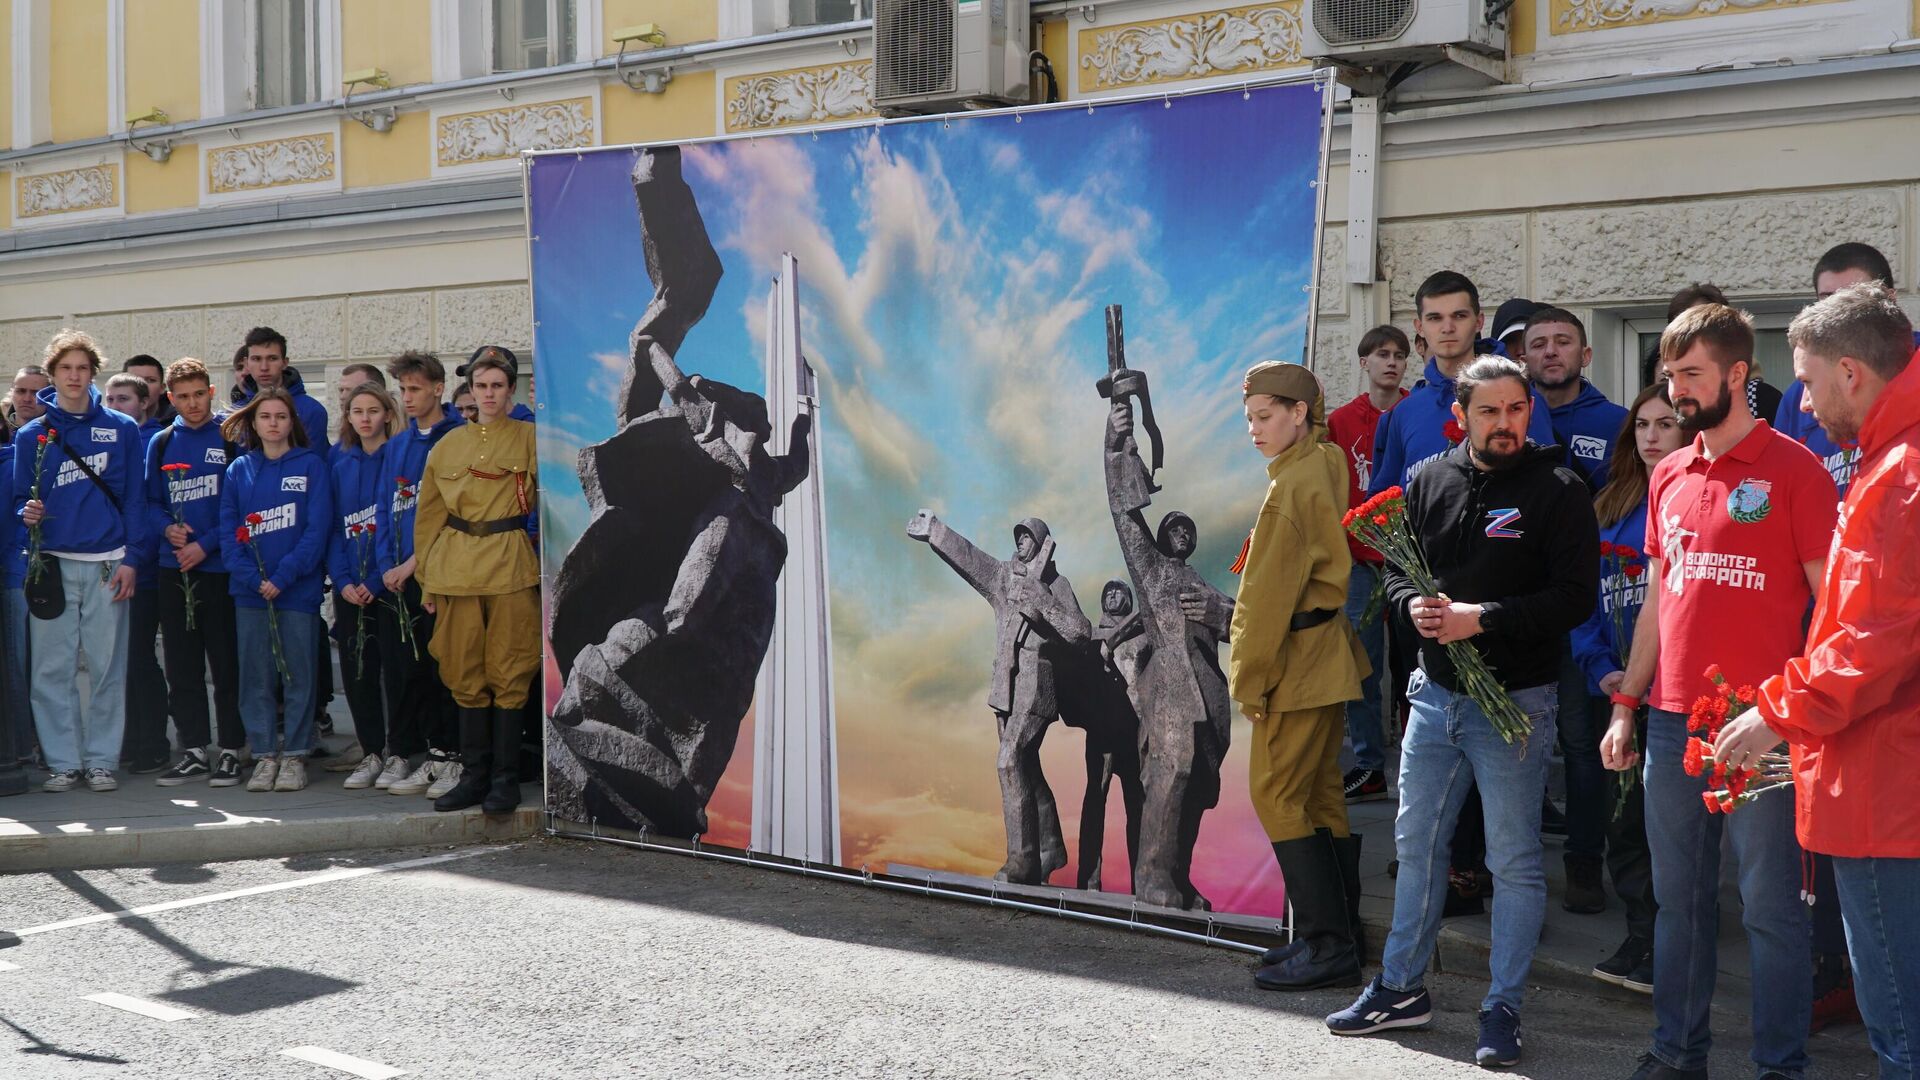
[[1573, 15], [1258, 37], [94, 187], [495, 134], [812, 95], [300, 159]]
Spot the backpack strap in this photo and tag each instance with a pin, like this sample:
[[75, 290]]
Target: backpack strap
[[91, 475]]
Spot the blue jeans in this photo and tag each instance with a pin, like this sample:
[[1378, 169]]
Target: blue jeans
[[1448, 747], [1878, 898], [1685, 841], [260, 675], [15, 706], [1364, 730], [93, 621]]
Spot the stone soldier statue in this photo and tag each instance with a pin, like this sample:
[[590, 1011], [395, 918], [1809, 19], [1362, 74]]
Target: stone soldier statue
[[1036, 614], [1105, 710], [1180, 691]]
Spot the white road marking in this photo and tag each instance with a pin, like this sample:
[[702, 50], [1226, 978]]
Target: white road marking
[[257, 890], [154, 1009], [333, 1059], [5, 966]]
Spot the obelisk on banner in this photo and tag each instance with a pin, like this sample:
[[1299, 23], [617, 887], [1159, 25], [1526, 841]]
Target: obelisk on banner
[[796, 772]]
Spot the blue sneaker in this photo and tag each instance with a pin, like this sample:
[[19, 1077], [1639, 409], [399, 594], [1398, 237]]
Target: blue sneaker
[[1499, 1038], [1378, 1009]]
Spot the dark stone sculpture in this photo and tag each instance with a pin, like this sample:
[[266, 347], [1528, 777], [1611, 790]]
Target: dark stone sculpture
[[1101, 704], [1181, 693], [663, 609], [1037, 618]]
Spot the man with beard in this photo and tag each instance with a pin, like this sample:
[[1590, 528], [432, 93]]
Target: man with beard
[[1515, 552], [1737, 530]]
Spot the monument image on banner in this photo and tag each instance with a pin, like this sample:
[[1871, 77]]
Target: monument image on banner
[[891, 477]]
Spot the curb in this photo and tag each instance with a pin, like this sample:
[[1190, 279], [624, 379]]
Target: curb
[[219, 843]]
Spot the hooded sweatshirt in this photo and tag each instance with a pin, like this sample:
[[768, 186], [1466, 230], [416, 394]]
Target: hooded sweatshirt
[[361, 481], [312, 414], [204, 451], [406, 458], [81, 519], [1596, 648], [13, 535], [293, 497], [1588, 426], [1412, 435], [1521, 541]]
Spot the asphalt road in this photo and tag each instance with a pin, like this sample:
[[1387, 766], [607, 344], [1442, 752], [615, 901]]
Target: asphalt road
[[566, 959]]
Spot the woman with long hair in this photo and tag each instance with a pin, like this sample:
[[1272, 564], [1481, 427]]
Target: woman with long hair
[[359, 483], [1600, 646], [277, 505]]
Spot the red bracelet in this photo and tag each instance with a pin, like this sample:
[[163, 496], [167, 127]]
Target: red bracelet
[[1628, 700]]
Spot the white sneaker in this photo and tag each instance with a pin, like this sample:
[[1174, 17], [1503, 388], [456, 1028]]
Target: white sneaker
[[363, 777], [264, 770], [101, 780], [348, 760], [62, 781], [293, 774], [392, 773], [420, 779], [449, 776]]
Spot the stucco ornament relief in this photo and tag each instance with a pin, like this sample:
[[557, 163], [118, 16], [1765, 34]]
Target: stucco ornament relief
[[468, 138], [95, 187], [303, 159], [1595, 14], [1193, 46], [801, 96]]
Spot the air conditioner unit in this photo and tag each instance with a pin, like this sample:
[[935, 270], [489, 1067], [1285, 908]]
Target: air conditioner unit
[[934, 56], [1372, 33]]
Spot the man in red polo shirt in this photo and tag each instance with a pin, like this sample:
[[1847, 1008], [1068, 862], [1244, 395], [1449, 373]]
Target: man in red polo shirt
[[1851, 704], [1383, 360], [1737, 530]]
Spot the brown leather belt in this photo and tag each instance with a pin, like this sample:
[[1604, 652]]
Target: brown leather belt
[[486, 528]]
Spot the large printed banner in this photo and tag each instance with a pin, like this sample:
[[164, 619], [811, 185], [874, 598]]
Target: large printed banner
[[891, 478]]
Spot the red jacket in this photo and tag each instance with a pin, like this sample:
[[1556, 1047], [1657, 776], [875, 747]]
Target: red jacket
[[1350, 427], [1851, 705]]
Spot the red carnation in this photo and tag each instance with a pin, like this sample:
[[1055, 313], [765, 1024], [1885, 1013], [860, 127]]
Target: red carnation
[[1634, 570], [1737, 782], [1720, 708], [1347, 521], [51, 434], [254, 519], [1607, 549], [1393, 492], [1713, 673], [43, 439], [1694, 759], [1453, 431], [1746, 694], [243, 534], [1696, 722], [353, 530], [1626, 551], [368, 526], [1380, 520], [1713, 804]]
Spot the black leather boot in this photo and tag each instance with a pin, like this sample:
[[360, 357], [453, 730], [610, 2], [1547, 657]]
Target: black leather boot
[[1319, 898], [1347, 850], [476, 762], [503, 789]]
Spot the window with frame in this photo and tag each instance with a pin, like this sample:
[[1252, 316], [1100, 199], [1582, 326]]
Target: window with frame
[[825, 12], [283, 60], [1773, 357], [531, 34]]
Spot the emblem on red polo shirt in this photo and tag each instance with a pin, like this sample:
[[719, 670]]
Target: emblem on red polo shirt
[[1750, 502]]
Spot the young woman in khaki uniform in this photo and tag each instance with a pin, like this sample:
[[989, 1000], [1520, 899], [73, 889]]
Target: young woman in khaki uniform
[[1293, 663], [478, 574]]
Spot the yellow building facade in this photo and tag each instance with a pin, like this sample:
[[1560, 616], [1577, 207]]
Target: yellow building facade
[[347, 171]]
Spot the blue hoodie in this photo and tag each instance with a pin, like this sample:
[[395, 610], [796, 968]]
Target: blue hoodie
[[1588, 426], [80, 518], [294, 496], [205, 451], [361, 481], [406, 455], [1412, 434], [1594, 646], [13, 535], [520, 412], [312, 414], [1804, 429]]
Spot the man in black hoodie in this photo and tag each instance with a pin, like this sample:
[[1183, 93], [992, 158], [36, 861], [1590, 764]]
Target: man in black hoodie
[[1510, 536]]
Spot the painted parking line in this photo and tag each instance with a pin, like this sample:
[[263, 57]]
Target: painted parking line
[[154, 1009], [346, 1063], [326, 878]]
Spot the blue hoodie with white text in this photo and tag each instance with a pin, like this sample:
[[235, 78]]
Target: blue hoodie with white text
[[312, 414], [80, 518], [197, 489], [360, 482], [406, 456], [293, 495], [1588, 426]]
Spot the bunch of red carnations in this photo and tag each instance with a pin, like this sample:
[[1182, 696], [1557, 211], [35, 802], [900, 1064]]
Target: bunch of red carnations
[[1728, 788]]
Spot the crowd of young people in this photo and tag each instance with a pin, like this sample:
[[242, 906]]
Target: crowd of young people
[[245, 547], [1599, 559]]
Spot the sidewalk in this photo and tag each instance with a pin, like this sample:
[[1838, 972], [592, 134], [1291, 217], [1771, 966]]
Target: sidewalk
[[143, 823]]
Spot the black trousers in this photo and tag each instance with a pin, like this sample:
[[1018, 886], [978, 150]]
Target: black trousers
[[1628, 859], [360, 672], [420, 710], [146, 731], [322, 675], [210, 647]]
